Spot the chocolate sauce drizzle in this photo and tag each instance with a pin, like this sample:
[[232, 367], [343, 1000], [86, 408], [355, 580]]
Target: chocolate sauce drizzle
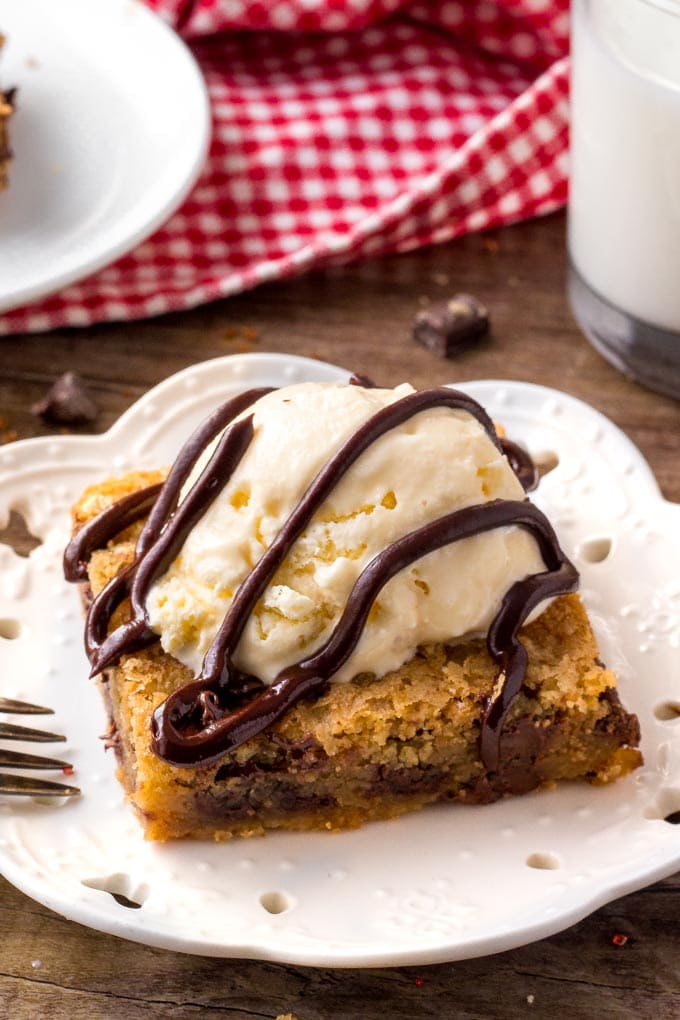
[[98, 531], [221, 708], [160, 538], [521, 463]]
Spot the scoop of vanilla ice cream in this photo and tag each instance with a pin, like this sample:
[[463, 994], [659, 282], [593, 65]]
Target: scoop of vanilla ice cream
[[437, 462]]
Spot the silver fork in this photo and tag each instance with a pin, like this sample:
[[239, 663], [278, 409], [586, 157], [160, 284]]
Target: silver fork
[[24, 785]]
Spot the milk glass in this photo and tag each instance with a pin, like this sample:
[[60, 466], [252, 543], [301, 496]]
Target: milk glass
[[624, 204]]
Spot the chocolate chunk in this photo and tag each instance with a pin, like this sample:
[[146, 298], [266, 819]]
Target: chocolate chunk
[[449, 326], [67, 402]]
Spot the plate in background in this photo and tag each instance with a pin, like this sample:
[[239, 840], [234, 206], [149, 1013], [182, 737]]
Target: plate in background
[[111, 130]]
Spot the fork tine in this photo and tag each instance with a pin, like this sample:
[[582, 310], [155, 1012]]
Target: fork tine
[[23, 786], [23, 707], [19, 760], [8, 731]]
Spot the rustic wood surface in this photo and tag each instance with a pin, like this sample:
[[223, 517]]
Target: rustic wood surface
[[360, 317]]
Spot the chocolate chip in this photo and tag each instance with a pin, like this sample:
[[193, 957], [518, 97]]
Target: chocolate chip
[[67, 402], [449, 326]]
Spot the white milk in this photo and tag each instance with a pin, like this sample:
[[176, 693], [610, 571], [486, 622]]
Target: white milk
[[624, 225]]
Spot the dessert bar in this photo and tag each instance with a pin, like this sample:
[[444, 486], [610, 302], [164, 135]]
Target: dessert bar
[[6, 111], [338, 605]]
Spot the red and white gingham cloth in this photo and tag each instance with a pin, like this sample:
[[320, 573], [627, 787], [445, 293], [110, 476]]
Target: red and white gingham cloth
[[345, 128]]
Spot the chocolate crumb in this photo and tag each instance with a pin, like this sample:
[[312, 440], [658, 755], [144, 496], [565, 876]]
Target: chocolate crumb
[[357, 379], [450, 326], [491, 245], [67, 402]]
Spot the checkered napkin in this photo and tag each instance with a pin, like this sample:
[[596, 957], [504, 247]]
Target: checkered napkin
[[343, 129]]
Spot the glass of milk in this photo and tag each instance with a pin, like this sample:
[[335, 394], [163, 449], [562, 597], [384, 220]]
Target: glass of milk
[[624, 201]]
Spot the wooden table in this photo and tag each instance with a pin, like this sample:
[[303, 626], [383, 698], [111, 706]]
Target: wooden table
[[359, 317]]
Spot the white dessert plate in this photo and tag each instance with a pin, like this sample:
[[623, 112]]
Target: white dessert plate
[[442, 884], [111, 130]]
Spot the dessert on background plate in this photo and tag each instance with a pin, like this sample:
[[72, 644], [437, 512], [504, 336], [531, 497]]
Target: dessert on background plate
[[339, 606], [6, 111], [108, 180]]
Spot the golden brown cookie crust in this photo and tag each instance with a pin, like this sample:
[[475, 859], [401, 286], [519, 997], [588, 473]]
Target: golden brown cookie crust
[[374, 747]]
